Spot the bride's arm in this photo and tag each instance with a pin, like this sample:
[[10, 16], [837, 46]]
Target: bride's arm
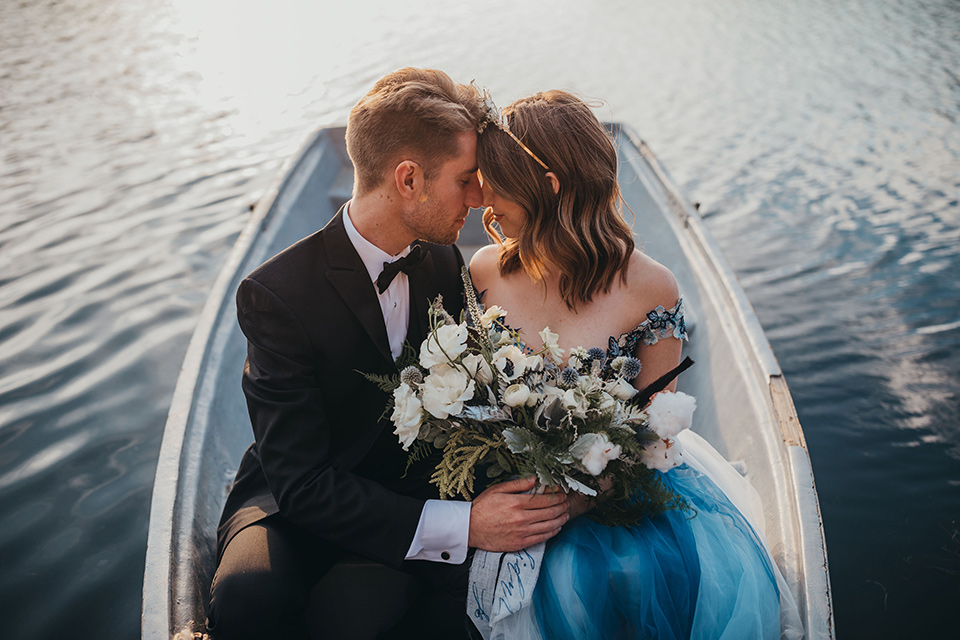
[[656, 286]]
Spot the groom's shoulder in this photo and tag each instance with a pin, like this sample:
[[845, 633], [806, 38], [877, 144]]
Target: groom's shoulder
[[292, 265]]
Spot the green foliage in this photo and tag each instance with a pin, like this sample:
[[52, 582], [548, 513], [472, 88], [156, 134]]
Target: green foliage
[[409, 356], [420, 450], [387, 383], [468, 446], [636, 493]]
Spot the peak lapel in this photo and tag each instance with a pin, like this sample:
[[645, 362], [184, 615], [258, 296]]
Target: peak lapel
[[420, 292], [351, 280]]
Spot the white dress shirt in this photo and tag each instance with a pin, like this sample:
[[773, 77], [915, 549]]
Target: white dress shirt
[[444, 526]]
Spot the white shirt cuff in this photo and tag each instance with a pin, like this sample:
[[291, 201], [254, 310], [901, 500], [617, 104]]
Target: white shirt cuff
[[442, 533]]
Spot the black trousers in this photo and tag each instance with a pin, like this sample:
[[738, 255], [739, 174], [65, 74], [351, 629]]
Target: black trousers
[[263, 583]]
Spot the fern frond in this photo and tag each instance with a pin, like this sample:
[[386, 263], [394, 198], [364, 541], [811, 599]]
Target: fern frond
[[386, 382]]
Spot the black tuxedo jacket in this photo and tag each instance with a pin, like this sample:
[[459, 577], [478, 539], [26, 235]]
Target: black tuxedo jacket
[[322, 457]]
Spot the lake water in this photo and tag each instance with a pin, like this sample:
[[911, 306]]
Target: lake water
[[821, 139]]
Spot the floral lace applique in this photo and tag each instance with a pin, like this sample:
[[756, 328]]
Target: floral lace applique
[[660, 323]]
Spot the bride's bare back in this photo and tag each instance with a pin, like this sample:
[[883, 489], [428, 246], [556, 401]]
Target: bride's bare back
[[531, 306]]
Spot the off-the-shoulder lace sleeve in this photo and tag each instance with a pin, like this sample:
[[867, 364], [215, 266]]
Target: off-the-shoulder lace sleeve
[[660, 323]]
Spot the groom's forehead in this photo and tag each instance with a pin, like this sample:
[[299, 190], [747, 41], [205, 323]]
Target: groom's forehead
[[465, 160]]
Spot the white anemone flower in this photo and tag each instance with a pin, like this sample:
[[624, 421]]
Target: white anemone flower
[[478, 368], [510, 361]]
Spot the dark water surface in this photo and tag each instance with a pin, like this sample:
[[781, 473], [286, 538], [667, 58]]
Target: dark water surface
[[821, 138]]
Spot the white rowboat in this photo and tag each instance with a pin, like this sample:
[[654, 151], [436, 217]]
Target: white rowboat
[[743, 401]]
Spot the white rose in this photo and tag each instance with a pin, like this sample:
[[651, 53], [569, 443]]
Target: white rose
[[491, 314], [443, 346], [510, 359], [516, 395], [670, 413], [444, 393], [478, 368], [575, 402], [662, 455], [607, 403], [620, 389], [407, 415], [553, 350], [594, 450]]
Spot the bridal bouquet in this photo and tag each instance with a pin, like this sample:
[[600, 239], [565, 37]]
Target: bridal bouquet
[[494, 407]]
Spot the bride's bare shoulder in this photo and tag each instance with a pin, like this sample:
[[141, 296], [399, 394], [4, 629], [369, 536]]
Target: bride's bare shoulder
[[484, 266], [650, 283]]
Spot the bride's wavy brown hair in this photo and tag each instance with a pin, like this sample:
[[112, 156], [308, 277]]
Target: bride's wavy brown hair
[[578, 232]]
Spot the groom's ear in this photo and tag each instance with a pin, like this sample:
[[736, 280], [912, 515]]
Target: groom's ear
[[554, 182], [408, 177]]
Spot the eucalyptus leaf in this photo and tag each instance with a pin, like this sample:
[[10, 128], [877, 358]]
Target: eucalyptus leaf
[[484, 413], [494, 470], [579, 487]]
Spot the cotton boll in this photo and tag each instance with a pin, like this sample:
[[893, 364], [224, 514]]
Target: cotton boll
[[594, 451], [662, 455], [670, 413]]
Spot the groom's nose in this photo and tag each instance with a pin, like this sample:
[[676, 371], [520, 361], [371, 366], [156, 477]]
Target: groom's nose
[[474, 196]]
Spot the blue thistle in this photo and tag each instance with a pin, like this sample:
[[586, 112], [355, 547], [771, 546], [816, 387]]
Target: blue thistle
[[569, 377], [596, 353], [630, 369], [411, 376]]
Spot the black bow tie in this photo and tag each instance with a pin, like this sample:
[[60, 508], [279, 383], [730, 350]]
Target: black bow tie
[[406, 264]]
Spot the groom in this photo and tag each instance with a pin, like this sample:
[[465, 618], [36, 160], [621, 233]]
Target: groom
[[325, 476]]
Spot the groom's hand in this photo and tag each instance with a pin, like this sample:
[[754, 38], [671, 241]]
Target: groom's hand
[[506, 518]]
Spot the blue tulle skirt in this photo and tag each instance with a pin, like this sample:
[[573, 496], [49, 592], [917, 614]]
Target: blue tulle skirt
[[697, 574]]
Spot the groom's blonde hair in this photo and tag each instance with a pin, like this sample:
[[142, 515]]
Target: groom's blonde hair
[[410, 114], [578, 232]]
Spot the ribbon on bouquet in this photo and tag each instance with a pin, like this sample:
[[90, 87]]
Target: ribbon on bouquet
[[501, 584]]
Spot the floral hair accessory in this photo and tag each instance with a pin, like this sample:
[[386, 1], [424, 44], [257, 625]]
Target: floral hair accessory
[[493, 115]]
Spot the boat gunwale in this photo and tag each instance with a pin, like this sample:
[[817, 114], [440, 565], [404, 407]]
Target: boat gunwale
[[161, 561], [811, 534]]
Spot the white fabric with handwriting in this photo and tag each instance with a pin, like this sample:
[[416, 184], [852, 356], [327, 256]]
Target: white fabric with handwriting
[[501, 584]]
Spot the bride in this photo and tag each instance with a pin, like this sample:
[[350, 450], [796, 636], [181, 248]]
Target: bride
[[567, 260]]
